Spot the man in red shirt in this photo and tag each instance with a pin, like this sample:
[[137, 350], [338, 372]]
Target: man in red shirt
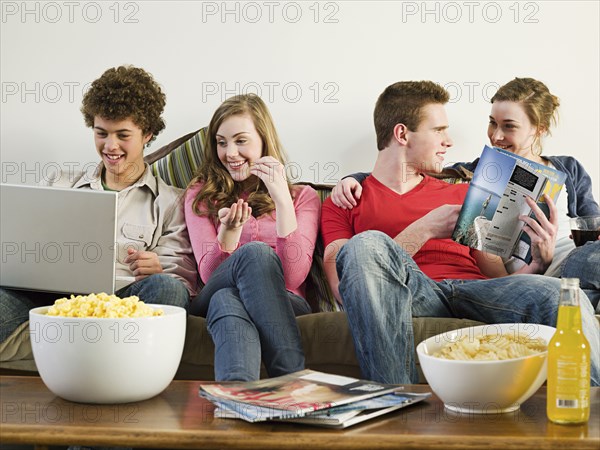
[[394, 256]]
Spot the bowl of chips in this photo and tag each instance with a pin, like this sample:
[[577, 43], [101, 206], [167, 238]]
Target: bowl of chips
[[103, 349], [487, 369]]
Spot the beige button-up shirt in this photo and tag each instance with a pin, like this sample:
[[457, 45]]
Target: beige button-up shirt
[[149, 218]]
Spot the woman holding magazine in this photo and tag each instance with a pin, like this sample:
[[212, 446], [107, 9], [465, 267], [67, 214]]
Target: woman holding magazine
[[523, 111]]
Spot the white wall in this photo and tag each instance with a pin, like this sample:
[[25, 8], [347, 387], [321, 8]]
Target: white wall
[[320, 66]]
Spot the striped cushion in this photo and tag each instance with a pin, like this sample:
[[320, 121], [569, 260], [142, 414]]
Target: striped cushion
[[178, 166]]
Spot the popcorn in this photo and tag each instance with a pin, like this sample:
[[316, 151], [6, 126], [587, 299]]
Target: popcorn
[[102, 306]]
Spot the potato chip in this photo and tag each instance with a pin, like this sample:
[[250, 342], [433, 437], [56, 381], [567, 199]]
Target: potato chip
[[492, 347]]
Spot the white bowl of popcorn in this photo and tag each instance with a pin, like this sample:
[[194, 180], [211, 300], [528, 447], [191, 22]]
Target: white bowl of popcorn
[[101, 349], [511, 368]]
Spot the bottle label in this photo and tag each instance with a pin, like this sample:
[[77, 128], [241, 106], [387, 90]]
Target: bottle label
[[562, 403], [572, 382]]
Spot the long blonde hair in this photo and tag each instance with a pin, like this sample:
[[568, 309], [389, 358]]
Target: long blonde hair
[[219, 190]]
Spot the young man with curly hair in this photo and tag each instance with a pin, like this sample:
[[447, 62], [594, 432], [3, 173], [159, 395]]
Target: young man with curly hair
[[391, 258], [124, 107]]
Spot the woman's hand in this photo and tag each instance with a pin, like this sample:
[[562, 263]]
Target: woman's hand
[[345, 193], [236, 216], [272, 173], [542, 234], [232, 222]]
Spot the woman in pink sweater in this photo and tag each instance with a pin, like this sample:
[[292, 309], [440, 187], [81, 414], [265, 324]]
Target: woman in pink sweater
[[253, 236]]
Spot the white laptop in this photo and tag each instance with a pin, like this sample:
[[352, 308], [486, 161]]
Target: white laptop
[[57, 240]]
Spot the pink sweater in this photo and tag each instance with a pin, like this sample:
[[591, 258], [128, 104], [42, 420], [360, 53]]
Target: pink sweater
[[294, 250]]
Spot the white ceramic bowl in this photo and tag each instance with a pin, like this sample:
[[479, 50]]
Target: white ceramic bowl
[[484, 387], [98, 360]]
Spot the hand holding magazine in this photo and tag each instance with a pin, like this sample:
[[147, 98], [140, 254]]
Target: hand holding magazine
[[489, 218], [308, 397]]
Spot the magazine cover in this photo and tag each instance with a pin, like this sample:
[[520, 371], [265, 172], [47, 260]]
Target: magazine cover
[[349, 414], [489, 218], [292, 395]]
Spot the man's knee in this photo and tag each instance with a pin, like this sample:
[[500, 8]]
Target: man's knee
[[165, 289], [361, 246], [369, 249]]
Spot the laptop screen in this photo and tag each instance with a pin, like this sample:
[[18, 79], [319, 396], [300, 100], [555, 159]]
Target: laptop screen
[[57, 240]]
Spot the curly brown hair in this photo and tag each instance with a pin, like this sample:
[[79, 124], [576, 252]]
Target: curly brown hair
[[126, 92]]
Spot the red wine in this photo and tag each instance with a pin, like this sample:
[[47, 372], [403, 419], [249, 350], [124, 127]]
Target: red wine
[[582, 236]]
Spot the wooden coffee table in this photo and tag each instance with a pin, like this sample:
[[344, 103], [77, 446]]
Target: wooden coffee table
[[178, 418]]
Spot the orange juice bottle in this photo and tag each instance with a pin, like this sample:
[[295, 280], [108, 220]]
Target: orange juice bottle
[[568, 383]]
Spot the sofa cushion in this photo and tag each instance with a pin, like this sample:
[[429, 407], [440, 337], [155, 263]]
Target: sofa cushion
[[177, 162], [16, 349]]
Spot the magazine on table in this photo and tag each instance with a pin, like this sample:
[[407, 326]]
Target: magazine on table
[[309, 397], [346, 415], [489, 218]]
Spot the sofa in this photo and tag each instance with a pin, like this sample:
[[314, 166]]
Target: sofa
[[327, 342]]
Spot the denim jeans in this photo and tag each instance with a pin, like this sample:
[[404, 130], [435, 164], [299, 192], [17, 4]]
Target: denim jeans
[[584, 263], [251, 316], [383, 289], [158, 288]]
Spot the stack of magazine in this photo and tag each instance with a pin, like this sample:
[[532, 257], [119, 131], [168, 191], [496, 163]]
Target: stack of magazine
[[308, 397]]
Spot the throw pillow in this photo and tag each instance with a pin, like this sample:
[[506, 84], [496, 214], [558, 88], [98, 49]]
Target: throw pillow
[[177, 162]]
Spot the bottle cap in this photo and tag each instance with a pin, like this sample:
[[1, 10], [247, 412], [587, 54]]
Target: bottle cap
[[566, 283]]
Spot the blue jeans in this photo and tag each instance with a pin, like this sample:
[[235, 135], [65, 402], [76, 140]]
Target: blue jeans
[[158, 288], [251, 316], [383, 289], [584, 263]]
